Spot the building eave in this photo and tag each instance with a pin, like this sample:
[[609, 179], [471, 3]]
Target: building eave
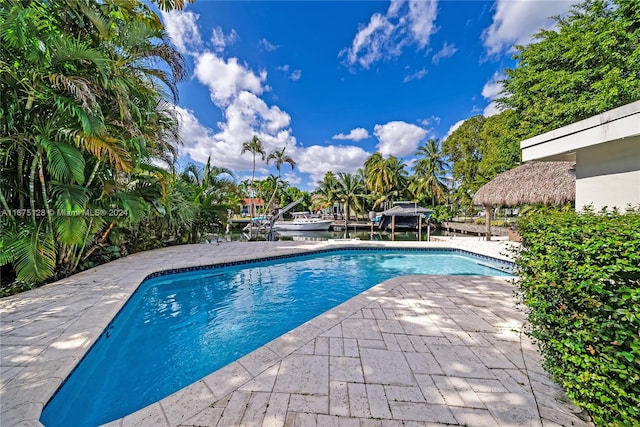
[[562, 143]]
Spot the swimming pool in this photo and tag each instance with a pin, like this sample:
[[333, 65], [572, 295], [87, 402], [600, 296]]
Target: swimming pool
[[178, 328]]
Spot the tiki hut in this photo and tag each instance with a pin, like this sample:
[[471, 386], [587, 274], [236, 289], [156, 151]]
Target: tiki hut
[[546, 183]]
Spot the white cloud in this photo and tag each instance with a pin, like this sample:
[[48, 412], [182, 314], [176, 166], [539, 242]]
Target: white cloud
[[447, 51], [296, 75], [490, 91], [317, 160], [453, 128], [248, 115], [493, 87], [200, 143], [236, 90], [429, 121], [267, 45], [356, 134], [514, 22], [371, 42], [422, 15], [220, 40], [386, 35], [225, 79], [492, 109], [415, 76], [398, 138], [292, 178], [183, 30]]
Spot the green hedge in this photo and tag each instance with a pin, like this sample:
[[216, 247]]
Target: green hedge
[[580, 278]]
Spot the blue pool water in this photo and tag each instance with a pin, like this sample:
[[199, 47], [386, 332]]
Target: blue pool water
[[179, 328]]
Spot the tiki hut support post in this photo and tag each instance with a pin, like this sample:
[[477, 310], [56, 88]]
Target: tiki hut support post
[[420, 228], [487, 213]]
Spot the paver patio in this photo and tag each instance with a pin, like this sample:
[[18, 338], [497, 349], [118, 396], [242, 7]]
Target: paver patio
[[414, 350]]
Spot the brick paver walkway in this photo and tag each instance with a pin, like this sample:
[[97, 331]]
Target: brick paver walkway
[[417, 350], [412, 351]]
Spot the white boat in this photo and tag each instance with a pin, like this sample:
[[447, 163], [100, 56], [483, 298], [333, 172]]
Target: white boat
[[302, 221]]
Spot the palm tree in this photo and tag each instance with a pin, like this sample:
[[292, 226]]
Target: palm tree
[[349, 192], [271, 189], [385, 178], [280, 158], [207, 179], [253, 146], [211, 194], [429, 171], [326, 194]]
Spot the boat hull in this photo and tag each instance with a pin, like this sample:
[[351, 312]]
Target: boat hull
[[320, 225]]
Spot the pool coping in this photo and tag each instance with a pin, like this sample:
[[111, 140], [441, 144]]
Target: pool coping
[[45, 332]]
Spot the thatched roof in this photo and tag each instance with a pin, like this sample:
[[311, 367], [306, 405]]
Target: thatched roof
[[547, 183]]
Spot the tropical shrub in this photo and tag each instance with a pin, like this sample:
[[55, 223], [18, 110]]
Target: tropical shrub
[[580, 279], [86, 91], [442, 213]]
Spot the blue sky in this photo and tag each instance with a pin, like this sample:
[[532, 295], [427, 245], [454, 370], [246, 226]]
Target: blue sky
[[335, 81]]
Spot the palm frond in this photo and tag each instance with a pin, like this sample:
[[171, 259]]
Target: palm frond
[[66, 162], [68, 197], [78, 87], [32, 252], [102, 146], [99, 22], [70, 229]]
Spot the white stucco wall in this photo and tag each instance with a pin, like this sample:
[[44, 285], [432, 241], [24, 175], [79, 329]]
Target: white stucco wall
[[608, 175], [606, 150]]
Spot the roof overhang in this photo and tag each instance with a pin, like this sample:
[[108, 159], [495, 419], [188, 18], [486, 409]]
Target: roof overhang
[[562, 143]]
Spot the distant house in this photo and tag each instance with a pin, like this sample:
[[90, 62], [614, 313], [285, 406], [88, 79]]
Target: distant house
[[245, 205], [606, 152]]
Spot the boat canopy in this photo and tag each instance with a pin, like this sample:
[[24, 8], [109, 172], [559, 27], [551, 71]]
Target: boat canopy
[[407, 209]]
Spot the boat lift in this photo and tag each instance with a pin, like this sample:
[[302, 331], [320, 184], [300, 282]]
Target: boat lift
[[270, 221]]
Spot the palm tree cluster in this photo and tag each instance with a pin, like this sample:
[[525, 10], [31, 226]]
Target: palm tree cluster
[[89, 138], [272, 188], [383, 181]]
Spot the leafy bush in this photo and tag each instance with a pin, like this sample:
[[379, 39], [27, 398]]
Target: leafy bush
[[580, 278], [442, 213]]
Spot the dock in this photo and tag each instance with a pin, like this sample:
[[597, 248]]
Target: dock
[[471, 228], [337, 225]]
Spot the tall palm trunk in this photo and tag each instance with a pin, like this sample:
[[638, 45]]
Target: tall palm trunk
[[347, 214], [20, 177], [252, 196]]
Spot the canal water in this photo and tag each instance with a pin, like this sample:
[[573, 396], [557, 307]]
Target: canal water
[[377, 235]]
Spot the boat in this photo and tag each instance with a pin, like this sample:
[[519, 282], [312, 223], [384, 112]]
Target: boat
[[303, 221]]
